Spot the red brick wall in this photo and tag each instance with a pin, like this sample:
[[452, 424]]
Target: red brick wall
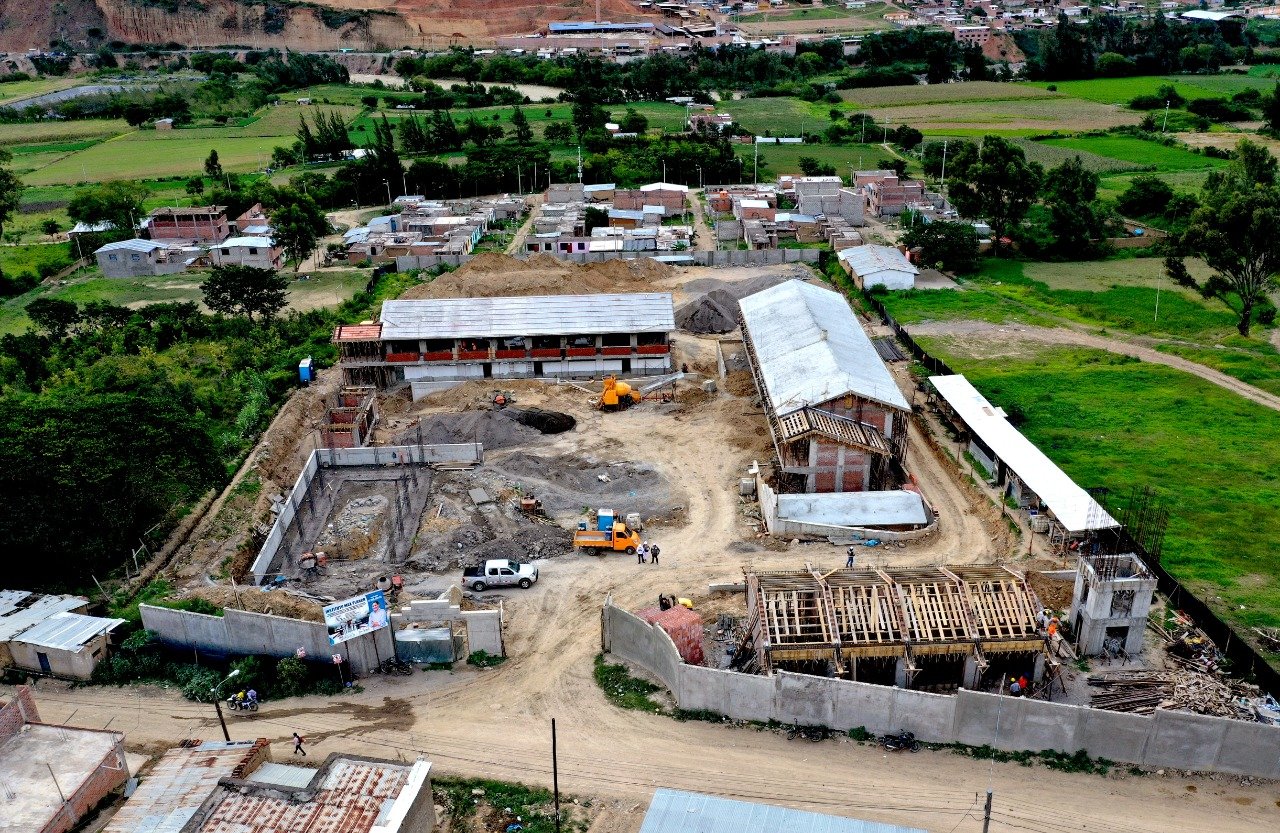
[[109, 776], [19, 710], [871, 413]]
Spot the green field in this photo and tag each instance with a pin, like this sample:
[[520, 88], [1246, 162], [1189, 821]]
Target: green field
[[16, 260], [1050, 155], [1139, 152], [140, 155], [778, 116], [60, 131], [1025, 116], [800, 14], [945, 94], [36, 86], [324, 289], [1112, 186], [785, 159], [1122, 90], [1209, 454]]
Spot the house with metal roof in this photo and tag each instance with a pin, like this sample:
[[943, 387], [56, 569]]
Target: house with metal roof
[[837, 418], [677, 811], [436, 343], [257, 252], [65, 644], [21, 611], [135, 258], [871, 266]]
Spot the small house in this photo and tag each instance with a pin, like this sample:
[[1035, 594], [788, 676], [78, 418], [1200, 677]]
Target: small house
[[258, 252], [64, 645]]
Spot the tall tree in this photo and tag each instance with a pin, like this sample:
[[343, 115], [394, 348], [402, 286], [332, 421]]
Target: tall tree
[[212, 167], [244, 290], [1070, 191], [521, 132], [996, 183], [1271, 110], [11, 188], [1233, 230], [118, 202], [294, 231]]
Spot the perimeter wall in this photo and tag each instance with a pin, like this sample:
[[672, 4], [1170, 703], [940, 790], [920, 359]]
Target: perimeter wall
[[1176, 740]]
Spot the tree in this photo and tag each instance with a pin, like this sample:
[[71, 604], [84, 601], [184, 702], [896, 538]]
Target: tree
[[1070, 191], [54, 316], [594, 218], [812, 167], [50, 227], [11, 189], [1146, 196], [521, 132], [244, 290], [949, 245], [997, 184], [195, 186], [293, 230], [212, 167], [1271, 110], [634, 122], [558, 133], [118, 203], [1233, 230]]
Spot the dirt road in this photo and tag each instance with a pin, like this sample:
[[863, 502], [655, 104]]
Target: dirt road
[[494, 723], [704, 237], [1063, 335]]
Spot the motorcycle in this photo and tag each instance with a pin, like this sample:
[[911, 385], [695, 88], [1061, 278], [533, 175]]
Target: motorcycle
[[898, 741], [809, 733], [236, 704], [393, 665]]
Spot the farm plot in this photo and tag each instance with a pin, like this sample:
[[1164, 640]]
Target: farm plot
[[1122, 90], [945, 94], [1138, 153], [785, 159], [1024, 117], [46, 132], [142, 155], [777, 116], [1050, 155]]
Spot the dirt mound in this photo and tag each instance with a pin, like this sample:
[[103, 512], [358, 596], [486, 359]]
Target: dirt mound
[[715, 312], [567, 483], [492, 275], [493, 429]]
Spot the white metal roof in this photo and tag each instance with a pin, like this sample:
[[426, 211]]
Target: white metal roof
[[285, 775], [663, 186], [753, 203], [640, 312], [9, 600], [247, 242], [14, 621], [132, 245], [811, 349], [868, 260], [894, 508], [676, 811], [67, 631], [1070, 504]]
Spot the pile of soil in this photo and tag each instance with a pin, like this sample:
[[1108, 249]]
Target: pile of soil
[[737, 289], [493, 429], [715, 312], [567, 483], [492, 275], [546, 422]]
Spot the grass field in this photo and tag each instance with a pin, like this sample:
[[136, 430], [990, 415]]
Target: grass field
[[1111, 186], [1050, 155], [944, 94], [281, 120], [15, 260], [140, 155], [1013, 117], [796, 14], [778, 116], [1121, 90], [1118, 294], [1111, 421], [785, 159], [12, 135], [1139, 152], [324, 289], [36, 86]]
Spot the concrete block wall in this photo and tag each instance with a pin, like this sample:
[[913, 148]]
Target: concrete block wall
[[484, 631], [20, 709], [110, 775], [1176, 740]]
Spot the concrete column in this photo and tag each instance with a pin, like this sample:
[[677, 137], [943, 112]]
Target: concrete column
[[972, 673], [1038, 674], [900, 673]]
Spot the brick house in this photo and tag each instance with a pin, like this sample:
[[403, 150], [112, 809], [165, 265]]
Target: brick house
[[205, 223]]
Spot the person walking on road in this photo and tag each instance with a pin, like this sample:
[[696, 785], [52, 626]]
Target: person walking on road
[[298, 741], [653, 554]]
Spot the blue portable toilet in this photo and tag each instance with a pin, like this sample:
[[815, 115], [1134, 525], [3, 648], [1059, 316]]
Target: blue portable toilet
[[304, 371], [604, 520]]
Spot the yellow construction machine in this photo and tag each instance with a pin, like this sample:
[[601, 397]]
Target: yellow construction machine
[[617, 395]]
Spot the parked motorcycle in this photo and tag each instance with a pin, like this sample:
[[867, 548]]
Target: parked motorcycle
[[810, 733], [394, 665], [898, 741]]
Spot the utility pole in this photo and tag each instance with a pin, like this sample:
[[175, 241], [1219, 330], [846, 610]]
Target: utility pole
[[579, 163], [217, 705], [755, 169], [944, 167], [1165, 128], [555, 776], [986, 814]]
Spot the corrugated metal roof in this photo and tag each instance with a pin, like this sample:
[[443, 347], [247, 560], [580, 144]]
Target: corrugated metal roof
[[255, 242], [169, 795], [357, 332], [283, 775], [676, 811], [131, 245], [810, 348], [67, 631], [895, 508], [649, 312], [16, 621], [9, 600], [352, 798], [1074, 508], [868, 260]]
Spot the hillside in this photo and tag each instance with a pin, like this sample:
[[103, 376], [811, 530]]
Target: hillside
[[323, 24]]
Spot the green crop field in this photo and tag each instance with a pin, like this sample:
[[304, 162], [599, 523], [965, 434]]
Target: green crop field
[[798, 14], [778, 116], [1122, 90], [785, 159], [1139, 152], [1209, 454], [1050, 155], [16, 260], [281, 120], [14, 90], [1111, 186], [60, 131], [945, 94], [141, 155], [1013, 117]]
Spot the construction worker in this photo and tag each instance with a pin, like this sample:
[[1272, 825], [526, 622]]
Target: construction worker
[[653, 554], [1053, 626], [851, 553], [642, 552], [1015, 690]]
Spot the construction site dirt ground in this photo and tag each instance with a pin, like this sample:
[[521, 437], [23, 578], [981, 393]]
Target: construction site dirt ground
[[495, 722]]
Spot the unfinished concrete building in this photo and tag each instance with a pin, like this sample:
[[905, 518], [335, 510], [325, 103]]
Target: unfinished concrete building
[[1110, 604], [349, 421], [929, 628], [433, 344]]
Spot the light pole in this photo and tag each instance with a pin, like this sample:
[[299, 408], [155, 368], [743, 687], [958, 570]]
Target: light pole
[[388, 184], [1165, 127], [700, 185], [217, 705]]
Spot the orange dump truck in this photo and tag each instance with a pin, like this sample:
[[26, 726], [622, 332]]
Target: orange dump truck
[[620, 539]]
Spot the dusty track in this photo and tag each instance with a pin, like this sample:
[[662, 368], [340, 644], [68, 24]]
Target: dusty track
[[1076, 338], [495, 723]]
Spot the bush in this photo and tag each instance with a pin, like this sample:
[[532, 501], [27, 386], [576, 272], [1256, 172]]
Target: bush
[[484, 659], [291, 678]]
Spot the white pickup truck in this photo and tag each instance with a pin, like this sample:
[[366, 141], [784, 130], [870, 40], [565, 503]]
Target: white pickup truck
[[500, 573]]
